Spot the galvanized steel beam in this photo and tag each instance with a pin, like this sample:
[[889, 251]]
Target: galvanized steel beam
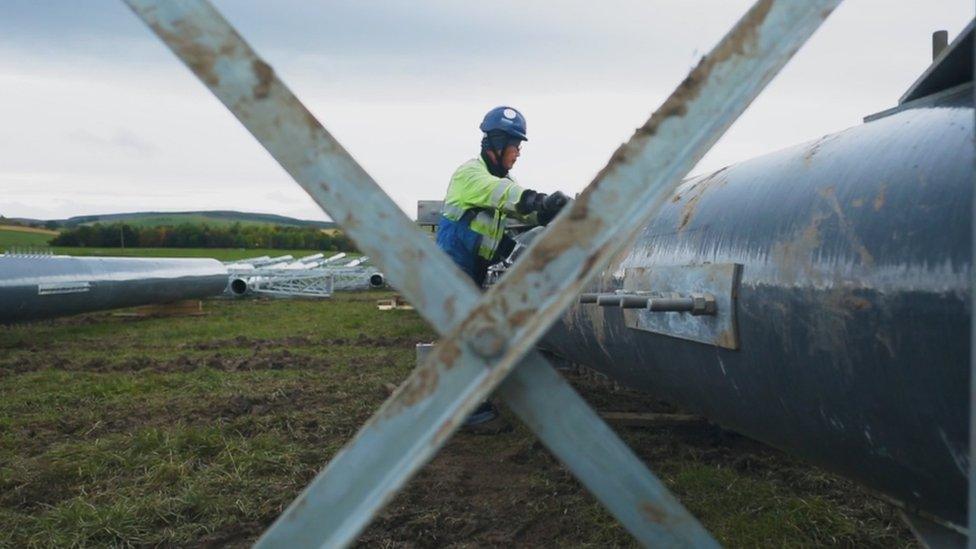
[[497, 332]]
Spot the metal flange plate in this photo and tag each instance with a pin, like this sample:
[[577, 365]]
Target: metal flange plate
[[719, 279]]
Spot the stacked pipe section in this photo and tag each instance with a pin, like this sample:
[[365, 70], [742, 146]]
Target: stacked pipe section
[[35, 287]]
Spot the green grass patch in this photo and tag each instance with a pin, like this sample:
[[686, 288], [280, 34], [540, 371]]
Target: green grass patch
[[116, 431], [9, 238]]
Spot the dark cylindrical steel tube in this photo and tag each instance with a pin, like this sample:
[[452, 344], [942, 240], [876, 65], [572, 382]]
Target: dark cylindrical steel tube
[[609, 300], [852, 310], [45, 287]]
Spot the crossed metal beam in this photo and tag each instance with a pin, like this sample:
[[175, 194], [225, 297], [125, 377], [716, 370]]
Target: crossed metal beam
[[488, 339]]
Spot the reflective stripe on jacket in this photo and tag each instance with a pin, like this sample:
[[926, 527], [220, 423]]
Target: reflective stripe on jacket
[[473, 187]]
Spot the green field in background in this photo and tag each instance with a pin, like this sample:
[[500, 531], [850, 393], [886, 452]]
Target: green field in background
[[10, 238], [17, 239]]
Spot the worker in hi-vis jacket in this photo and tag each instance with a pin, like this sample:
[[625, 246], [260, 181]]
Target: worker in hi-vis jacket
[[480, 197]]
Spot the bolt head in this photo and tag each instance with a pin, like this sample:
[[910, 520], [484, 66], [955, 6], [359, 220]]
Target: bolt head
[[702, 304], [488, 342]]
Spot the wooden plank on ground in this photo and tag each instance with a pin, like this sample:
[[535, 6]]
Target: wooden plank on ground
[[186, 307]]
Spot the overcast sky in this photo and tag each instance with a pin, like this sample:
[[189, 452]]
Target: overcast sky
[[99, 117]]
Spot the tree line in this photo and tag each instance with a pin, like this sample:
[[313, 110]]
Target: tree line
[[195, 235]]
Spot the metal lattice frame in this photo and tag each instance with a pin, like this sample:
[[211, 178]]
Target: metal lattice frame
[[354, 278], [312, 283], [487, 339]]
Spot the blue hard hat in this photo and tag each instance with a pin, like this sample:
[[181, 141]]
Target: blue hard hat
[[505, 119]]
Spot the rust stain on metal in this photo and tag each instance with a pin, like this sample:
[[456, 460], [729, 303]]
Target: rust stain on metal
[[697, 191], [562, 237], [619, 156], [313, 123], [183, 39], [265, 76], [688, 210], [879, 200], [618, 258], [443, 432], [520, 317], [449, 306], [847, 228], [740, 41], [829, 328], [351, 222], [794, 256], [588, 264], [423, 381], [726, 339], [653, 513], [855, 303], [418, 386], [450, 352], [815, 147], [580, 208]]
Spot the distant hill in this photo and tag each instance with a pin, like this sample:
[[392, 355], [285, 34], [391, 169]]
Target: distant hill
[[213, 217]]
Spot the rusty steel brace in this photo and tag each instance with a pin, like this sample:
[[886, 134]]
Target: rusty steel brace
[[486, 337]]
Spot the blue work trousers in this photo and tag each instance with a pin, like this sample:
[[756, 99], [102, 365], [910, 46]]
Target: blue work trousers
[[461, 244]]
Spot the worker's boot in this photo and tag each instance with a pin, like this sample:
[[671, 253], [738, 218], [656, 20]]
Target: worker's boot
[[485, 420]]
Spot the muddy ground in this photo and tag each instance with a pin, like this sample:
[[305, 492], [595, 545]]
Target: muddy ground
[[198, 431], [466, 497]]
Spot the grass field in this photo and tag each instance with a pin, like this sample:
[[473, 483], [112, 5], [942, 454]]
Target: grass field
[[18, 236], [37, 239], [23, 229], [198, 430], [21, 239]]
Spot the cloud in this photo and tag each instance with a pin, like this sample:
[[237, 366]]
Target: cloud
[[99, 116], [122, 139]]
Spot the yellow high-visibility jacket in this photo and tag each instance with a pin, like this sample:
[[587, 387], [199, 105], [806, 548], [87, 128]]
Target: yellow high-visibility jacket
[[473, 187]]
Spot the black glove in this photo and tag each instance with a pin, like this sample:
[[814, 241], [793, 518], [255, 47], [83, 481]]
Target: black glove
[[546, 206], [549, 206], [554, 202]]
